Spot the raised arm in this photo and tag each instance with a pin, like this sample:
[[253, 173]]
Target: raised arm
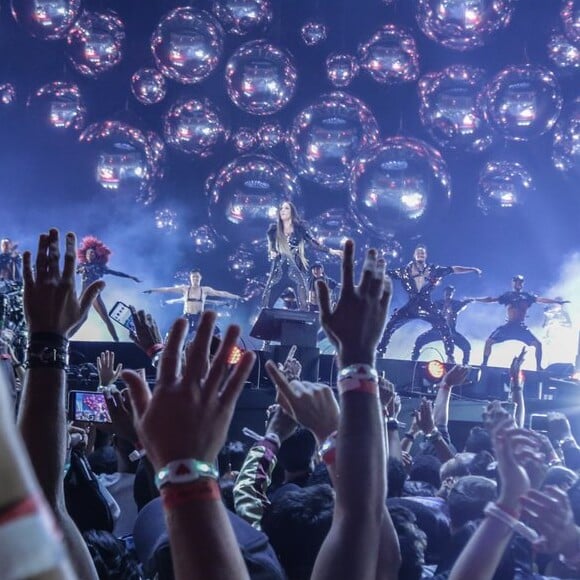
[[466, 270], [362, 542], [181, 289], [543, 300], [312, 241], [52, 310], [485, 300], [456, 376], [182, 426], [220, 293], [121, 274]]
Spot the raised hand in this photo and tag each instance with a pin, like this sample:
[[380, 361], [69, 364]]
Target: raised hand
[[425, 416], [189, 413], [559, 427], [456, 376], [121, 412], [516, 366], [280, 423], [146, 336], [108, 373], [356, 337], [312, 405], [51, 303]]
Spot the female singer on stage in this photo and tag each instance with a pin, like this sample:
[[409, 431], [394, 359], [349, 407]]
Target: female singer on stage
[[286, 243], [93, 257], [194, 295]]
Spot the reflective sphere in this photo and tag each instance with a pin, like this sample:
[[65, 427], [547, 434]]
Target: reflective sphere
[[570, 14], [270, 135], [148, 86], [503, 185], [390, 56], [260, 78], [242, 263], [397, 184], [333, 227], [463, 24], [245, 196], [7, 95], [327, 135], [187, 45], [95, 43], [243, 16], [166, 220], [125, 163], [563, 53], [566, 148], [450, 109], [522, 102], [341, 69], [194, 127], [204, 239], [60, 105], [313, 32], [46, 19], [245, 139], [157, 153]]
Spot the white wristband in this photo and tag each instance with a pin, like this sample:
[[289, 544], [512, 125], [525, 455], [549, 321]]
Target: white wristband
[[493, 510]]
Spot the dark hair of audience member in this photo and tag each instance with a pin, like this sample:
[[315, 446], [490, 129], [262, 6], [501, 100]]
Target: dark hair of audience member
[[478, 440], [418, 489], [426, 468], [232, 456], [297, 523], [468, 498], [412, 543], [112, 559], [319, 475], [295, 454], [457, 466], [561, 477], [396, 477], [103, 460], [483, 463]]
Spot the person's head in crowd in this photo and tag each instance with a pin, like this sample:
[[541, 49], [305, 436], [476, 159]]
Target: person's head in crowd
[[426, 468], [431, 520], [418, 489], [396, 477], [231, 457], [484, 464], [457, 466], [103, 460], [295, 455], [468, 498], [478, 440], [412, 543], [561, 477], [111, 557], [297, 523]]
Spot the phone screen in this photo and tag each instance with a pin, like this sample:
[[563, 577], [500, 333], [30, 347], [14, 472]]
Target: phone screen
[[88, 406], [539, 422], [121, 313]]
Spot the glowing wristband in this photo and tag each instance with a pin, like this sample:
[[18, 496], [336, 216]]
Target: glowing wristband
[[185, 471], [362, 371]]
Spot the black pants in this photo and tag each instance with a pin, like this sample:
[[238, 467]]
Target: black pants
[[419, 310], [281, 277], [433, 336]]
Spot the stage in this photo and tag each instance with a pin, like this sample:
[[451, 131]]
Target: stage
[[543, 391]]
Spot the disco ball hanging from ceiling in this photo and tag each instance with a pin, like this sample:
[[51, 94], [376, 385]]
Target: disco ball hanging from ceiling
[[245, 195], [327, 135], [59, 105], [204, 239], [341, 69], [503, 186], [463, 24], [242, 263], [245, 139], [46, 19], [566, 141], [242, 17], [451, 110], [95, 43], [124, 160], [260, 78], [333, 227], [390, 56], [522, 102], [397, 185], [148, 86], [570, 14], [187, 45], [194, 127], [313, 32], [563, 53], [271, 135]]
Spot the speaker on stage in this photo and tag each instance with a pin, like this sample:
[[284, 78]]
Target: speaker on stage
[[287, 327]]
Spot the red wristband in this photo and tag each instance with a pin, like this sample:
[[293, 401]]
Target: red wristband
[[203, 489], [20, 509], [154, 349]]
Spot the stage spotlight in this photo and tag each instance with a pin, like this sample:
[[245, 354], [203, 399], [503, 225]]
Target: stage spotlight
[[435, 370]]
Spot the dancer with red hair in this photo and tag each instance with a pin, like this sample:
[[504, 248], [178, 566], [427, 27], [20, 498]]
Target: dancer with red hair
[[93, 257]]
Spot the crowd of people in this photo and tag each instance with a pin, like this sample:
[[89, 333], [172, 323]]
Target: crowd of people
[[336, 488]]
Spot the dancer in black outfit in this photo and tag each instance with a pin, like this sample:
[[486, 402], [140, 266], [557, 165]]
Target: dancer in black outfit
[[10, 262], [93, 256], [419, 278], [286, 249], [449, 308]]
